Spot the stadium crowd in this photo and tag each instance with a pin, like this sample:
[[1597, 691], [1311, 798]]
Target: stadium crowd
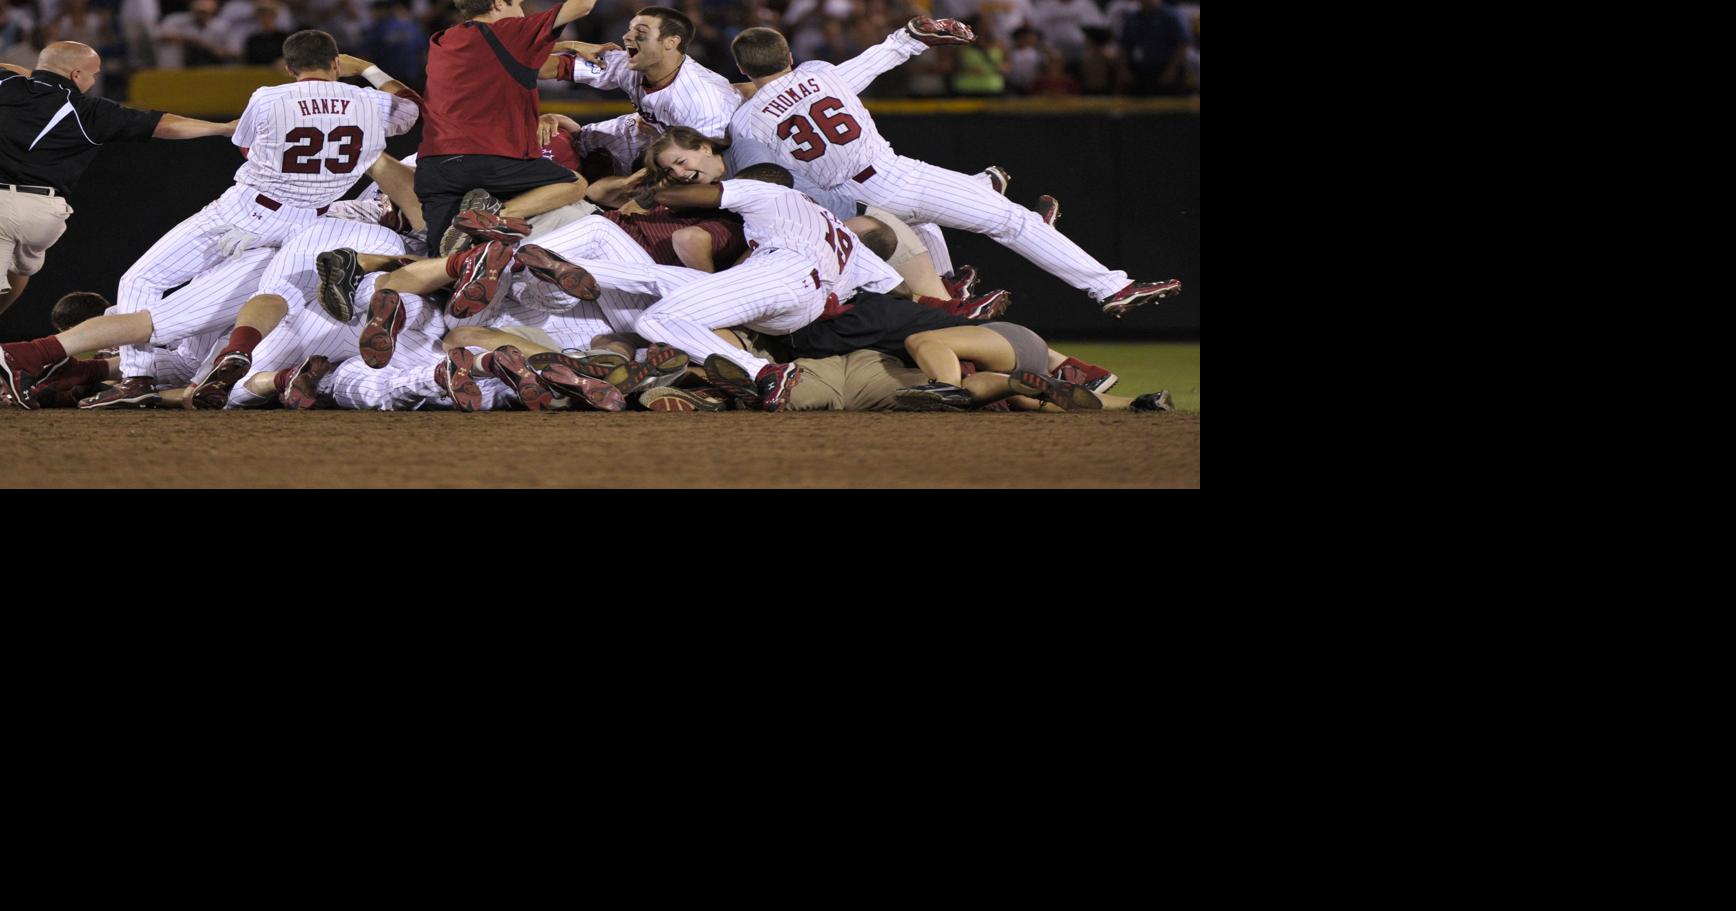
[[1025, 47]]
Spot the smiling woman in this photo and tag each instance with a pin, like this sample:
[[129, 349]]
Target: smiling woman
[[685, 155]]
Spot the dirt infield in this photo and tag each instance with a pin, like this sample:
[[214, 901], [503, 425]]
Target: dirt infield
[[518, 449]]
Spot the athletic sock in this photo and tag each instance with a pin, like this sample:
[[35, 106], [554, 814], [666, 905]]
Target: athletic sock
[[937, 303], [280, 379], [242, 340], [37, 355]]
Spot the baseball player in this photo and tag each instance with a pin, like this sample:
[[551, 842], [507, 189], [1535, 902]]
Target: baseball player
[[822, 131], [307, 142], [802, 257], [666, 86]]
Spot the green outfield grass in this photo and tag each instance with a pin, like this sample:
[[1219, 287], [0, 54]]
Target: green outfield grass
[[1145, 367]]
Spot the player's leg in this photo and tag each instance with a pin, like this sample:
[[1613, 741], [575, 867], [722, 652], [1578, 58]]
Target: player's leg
[[922, 192], [902, 248], [938, 351], [768, 288], [398, 181]]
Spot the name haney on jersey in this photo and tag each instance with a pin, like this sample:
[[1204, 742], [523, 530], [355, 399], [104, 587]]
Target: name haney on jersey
[[697, 97], [817, 124], [309, 142]]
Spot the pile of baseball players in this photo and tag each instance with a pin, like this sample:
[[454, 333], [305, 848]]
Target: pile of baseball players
[[759, 245]]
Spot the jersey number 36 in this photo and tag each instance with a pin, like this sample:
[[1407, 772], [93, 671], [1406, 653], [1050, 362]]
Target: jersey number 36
[[301, 156], [835, 124]]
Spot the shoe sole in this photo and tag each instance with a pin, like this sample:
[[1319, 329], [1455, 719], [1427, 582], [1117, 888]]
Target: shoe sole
[[1123, 307], [460, 386], [379, 340], [455, 239], [147, 400], [213, 393], [596, 366], [1103, 385], [477, 290], [999, 179], [298, 399], [504, 229], [512, 370], [660, 361], [590, 390], [993, 308], [337, 291], [729, 376], [680, 400], [552, 268], [923, 401]]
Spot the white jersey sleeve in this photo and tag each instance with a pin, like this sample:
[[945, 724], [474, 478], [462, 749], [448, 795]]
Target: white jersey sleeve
[[778, 218], [816, 123], [399, 113], [311, 141], [859, 71], [612, 74], [697, 98]]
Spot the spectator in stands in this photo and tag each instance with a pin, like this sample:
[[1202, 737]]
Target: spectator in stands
[[78, 22], [17, 21], [1063, 23], [980, 68], [138, 26], [1055, 79], [835, 45], [1103, 71], [394, 42], [1025, 60], [195, 38], [262, 39], [1156, 41]]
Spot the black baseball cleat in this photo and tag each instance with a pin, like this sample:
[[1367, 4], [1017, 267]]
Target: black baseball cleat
[[1152, 401], [660, 361], [1138, 294], [339, 274], [732, 378], [213, 394], [932, 397]]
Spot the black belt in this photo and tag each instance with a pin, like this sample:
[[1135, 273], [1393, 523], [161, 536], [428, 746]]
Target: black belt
[[274, 205], [867, 173], [40, 191]]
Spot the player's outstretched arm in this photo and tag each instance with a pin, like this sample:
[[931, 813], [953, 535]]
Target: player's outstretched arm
[[682, 196], [351, 66], [916, 36], [573, 9], [615, 192], [173, 126], [15, 68]]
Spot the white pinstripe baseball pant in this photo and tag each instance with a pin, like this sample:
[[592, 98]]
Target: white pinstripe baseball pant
[[571, 322], [175, 367], [771, 292], [208, 303], [592, 242], [917, 191], [410, 387]]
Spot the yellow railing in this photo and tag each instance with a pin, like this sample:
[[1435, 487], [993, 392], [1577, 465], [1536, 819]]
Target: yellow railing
[[223, 92]]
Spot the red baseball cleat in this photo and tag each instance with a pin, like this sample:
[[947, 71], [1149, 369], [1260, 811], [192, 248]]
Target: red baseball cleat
[[302, 390], [479, 275], [213, 393], [508, 366], [1138, 294], [385, 323], [132, 392], [552, 268], [453, 376], [939, 32]]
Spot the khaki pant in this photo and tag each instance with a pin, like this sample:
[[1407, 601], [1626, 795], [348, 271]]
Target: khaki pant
[[909, 245], [859, 381], [29, 225]]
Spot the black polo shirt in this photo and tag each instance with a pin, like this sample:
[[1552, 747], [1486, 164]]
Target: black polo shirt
[[50, 131]]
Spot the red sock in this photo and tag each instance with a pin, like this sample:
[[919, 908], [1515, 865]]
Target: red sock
[[938, 303], [242, 339], [36, 356], [78, 373], [455, 262]]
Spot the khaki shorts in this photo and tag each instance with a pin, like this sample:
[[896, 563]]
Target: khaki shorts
[[29, 225], [909, 245], [859, 381]]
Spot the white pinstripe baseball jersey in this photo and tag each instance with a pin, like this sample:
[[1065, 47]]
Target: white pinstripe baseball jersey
[[778, 218], [697, 98], [308, 142]]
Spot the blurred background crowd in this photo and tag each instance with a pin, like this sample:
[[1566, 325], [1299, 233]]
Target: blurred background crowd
[[1024, 47]]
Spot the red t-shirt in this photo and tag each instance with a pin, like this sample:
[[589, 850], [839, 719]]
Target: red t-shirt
[[476, 104], [562, 151], [655, 231]]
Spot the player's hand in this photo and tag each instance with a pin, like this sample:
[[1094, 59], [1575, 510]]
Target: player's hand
[[633, 208], [591, 52], [350, 66], [546, 127], [236, 241]]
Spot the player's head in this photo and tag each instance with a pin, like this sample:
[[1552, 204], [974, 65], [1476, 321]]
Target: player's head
[[75, 308], [309, 50], [761, 52], [766, 172], [503, 9], [876, 235], [78, 62], [685, 155], [656, 34]]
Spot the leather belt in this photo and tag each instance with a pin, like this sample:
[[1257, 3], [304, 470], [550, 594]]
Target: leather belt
[[274, 205], [866, 174], [39, 191]]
